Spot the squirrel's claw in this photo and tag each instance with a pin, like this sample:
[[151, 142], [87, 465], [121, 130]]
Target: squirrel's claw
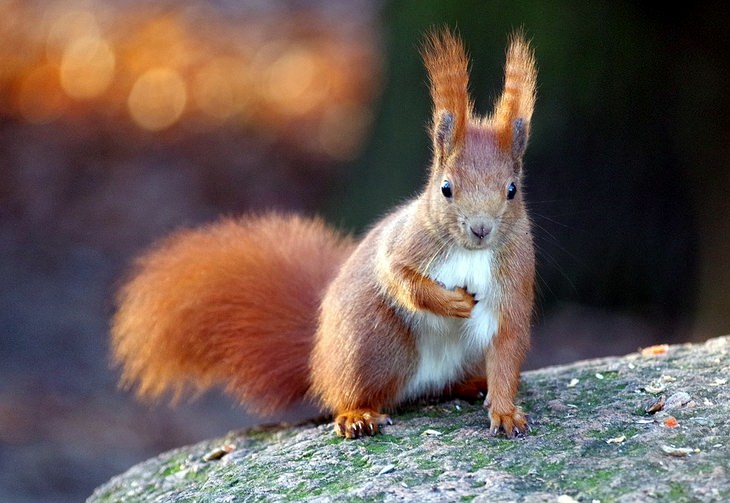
[[513, 424], [360, 422]]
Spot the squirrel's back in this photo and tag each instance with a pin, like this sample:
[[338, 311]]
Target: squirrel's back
[[233, 304]]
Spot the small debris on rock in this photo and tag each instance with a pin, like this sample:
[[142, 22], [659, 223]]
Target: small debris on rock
[[658, 349], [644, 421], [654, 387], [219, 452], [671, 422], [656, 405], [616, 440], [678, 451], [573, 383], [677, 400], [431, 433], [386, 469], [599, 375]]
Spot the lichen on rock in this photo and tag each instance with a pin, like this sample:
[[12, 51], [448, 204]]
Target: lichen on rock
[[591, 439]]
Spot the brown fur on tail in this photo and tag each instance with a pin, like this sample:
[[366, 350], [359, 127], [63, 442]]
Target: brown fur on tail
[[518, 98], [232, 304]]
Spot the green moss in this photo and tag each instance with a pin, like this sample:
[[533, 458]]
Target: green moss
[[418, 478], [679, 439], [360, 462], [478, 459], [197, 473], [430, 411], [174, 465], [593, 483], [338, 486], [298, 493], [266, 434], [518, 469], [432, 465], [333, 440], [677, 492], [379, 445]]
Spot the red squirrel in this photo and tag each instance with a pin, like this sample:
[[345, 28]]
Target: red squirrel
[[436, 298]]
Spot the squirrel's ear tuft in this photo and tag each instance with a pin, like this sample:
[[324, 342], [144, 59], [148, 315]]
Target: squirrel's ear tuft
[[513, 111], [443, 133], [447, 65]]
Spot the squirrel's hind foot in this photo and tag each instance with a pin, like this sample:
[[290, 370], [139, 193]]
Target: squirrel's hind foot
[[358, 422]]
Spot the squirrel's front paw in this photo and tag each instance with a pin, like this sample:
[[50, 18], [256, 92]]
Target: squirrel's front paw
[[512, 423], [459, 303], [359, 422]]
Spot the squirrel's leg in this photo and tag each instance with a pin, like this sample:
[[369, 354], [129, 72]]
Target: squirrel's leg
[[417, 291], [504, 359], [355, 423], [361, 360]]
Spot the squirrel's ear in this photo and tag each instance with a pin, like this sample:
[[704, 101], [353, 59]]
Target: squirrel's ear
[[443, 133], [520, 134]]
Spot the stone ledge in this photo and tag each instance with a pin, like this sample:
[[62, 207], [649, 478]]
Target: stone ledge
[[591, 439]]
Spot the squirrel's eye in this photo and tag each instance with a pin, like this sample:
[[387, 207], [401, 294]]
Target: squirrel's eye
[[446, 189], [511, 190]]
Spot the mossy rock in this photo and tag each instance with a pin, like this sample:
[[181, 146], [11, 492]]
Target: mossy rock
[[591, 439]]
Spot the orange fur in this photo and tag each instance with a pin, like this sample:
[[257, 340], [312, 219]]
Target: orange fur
[[518, 98], [448, 70], [232, 304], [421, 292], [357, 329]]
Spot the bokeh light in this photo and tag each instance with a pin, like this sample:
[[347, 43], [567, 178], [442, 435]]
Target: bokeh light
[[303, 82], [87, 67], [295, 82], [218, 87], [157, 99], [66, 27]]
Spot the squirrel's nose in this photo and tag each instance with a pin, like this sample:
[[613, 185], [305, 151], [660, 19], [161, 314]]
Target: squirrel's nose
[[480, 230]]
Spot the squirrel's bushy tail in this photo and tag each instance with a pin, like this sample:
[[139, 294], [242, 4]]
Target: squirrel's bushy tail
[[234, 304]]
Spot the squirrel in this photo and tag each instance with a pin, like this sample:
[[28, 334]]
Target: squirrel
[[436, 298]]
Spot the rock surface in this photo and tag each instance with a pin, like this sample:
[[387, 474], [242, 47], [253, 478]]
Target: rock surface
[[591, 439]]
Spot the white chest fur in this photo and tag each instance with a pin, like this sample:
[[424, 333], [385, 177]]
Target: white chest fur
[[449, 345]]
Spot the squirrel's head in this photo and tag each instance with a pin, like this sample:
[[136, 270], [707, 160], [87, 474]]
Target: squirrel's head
[[474, 192]]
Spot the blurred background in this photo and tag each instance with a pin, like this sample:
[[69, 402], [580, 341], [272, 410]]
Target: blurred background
[[122, 121]]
